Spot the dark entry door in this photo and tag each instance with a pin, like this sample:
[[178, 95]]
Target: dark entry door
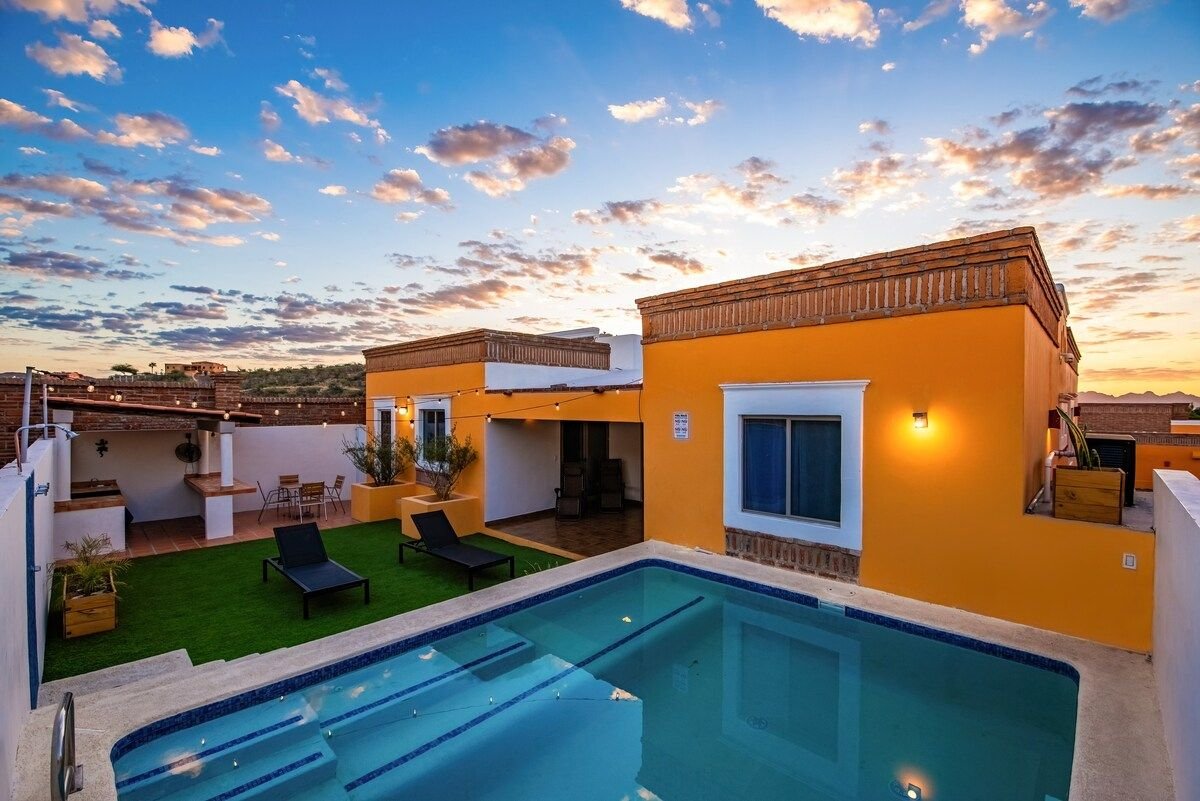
[[587, 443]]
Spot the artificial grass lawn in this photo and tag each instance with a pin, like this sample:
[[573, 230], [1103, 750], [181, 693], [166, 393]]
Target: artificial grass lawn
[[212, 601]]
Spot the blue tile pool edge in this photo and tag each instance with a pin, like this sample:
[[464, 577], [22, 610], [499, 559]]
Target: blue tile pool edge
[[224, 706]]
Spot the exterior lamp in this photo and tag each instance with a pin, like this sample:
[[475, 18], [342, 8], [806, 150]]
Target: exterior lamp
[[618, 391], [910, 791], [920, 420], [49, 389], [402, 409]]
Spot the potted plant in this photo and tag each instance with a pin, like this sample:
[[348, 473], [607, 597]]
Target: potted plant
[[90, 586], [442, 462], [1087, 490], [384, 461]]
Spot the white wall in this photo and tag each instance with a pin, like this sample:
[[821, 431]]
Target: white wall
[[263, 453], [143, 464], [625, 443], [1177, 622], [14, 637], [521, 461]]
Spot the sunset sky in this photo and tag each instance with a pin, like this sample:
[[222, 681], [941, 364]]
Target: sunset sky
[[269, 184]]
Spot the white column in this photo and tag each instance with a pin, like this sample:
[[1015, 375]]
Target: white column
[[226, 458], [62, 455], [204, 440]]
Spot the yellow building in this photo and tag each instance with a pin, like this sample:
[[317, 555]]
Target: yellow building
[[885, 420], [527, 402]]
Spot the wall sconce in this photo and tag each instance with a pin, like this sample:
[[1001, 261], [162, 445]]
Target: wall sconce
[[920, 419], [910, 791], [402, 410], [102, 447]]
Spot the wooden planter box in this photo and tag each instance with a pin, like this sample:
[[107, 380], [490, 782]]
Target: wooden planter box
[[369, 503], [90, 614], [1097, 496]]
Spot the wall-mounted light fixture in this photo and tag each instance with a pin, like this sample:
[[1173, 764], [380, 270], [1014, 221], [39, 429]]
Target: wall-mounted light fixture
[[920, 419], [910, 791]]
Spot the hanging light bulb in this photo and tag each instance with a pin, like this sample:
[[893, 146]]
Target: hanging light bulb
[[226, 415], [119, 397], [194, 404], [324, 424], [556, 406], [177, 401], [91, 387], [343, 412], [297, 405], [618, 391], [276, 412], [489, 418], [239, 404], [476, 391]]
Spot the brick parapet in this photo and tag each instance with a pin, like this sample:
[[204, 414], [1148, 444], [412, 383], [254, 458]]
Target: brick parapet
[[486, 345], [996, 269], [1132, 418]]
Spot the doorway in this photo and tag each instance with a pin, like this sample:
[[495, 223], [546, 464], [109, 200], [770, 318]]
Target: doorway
[[586, 442]]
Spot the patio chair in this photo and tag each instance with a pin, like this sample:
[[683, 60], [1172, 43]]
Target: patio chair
[[289, 484], [302, 560], [569, 498], [437, 538], [273, 499], [612, 486], [312, 494], [334, 493]]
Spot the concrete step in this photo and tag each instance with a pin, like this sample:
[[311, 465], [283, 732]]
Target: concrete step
[[153, 667]]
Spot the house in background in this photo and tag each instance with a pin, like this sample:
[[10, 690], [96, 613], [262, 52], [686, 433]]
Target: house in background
[[1167, 436], [193, 369], [528, 402]]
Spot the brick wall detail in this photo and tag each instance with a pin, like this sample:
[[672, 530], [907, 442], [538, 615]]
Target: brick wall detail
[[485, 345], [1132, 418], [827, 561]]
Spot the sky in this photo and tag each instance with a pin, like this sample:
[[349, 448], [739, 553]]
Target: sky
[[277, 184]]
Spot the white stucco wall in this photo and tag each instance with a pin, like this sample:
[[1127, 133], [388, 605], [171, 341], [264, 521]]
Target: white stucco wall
[[1177, 622], [625, 443], [14, 638], [263, 453], [73, 526], [521, 458], [143, 464]]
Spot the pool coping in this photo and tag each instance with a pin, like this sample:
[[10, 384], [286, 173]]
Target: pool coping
[[1120, 749]]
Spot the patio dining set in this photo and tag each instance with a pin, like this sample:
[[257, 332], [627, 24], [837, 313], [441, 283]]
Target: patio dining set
[[297, 496]]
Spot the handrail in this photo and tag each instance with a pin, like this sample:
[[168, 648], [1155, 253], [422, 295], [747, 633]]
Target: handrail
[[65, 776]]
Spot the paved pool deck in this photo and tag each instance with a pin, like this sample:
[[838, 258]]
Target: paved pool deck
[[1120, 751]]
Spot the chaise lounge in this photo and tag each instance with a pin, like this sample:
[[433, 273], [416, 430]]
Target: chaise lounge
[[302, 560], [437, 538]]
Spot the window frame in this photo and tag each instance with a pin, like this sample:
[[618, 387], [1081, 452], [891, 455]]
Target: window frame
[[788, 420]]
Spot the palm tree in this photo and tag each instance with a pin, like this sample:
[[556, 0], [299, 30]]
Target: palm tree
[[153, 365]]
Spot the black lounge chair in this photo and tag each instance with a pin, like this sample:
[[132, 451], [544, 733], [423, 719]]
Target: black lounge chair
[[302, 560], [438, 539]]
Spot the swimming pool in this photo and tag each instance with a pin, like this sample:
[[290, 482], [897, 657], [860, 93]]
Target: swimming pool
[[654, 680]]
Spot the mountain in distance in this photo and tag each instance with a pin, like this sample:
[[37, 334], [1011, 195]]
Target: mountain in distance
[[1139, 397]]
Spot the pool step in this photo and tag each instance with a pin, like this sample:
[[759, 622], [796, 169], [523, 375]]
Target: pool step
[[179, 761], [163, 667], [287, 773]]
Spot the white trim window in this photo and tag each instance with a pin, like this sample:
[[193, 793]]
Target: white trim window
[[384, 419], [431, 418], [793, 460]]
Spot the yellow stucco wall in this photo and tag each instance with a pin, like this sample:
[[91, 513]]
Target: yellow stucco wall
[[943, 507], [468, 410], [1170, 457]]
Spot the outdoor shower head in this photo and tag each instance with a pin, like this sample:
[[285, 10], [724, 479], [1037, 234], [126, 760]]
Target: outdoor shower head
[[45, 431]]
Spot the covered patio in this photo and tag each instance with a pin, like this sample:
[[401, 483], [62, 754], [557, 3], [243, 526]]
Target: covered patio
[[155, 537], [589, 536]]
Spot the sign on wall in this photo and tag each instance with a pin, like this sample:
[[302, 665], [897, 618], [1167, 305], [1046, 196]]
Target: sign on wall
[[682, 425]]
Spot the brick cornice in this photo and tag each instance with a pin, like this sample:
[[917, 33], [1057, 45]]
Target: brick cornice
[[995, 269], [486, 345]]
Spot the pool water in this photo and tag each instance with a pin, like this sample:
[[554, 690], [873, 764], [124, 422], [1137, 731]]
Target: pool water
[[652, 684]]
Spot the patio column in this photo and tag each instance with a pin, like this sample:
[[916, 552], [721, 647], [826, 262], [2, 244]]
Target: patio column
[[62, 455], [226, 455], [203, 439]]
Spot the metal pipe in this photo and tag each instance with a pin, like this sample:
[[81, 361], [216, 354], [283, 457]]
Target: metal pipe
[[45, 433], [23, 443]]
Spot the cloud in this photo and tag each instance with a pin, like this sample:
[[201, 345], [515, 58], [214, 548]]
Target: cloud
[[476, 295], [867, 181], [103, 29], [880, 127], [333, 80], [405, 186], [100, 168], [78, 10], [932, 12], [825, 19], [473, 142], [171, 42], [53, 264], [31, 151], [65, 185], [710, 15], [1148, 191], [333, 189], [75, 56], [513, 172], [277, 152], [639, 110], [318, 109], [681, 262], [268, 117], [627, 212], [996, 18], [56, 99], [154, 130], [408, 216], [703, 111], [205, 151], [673, 12], [1104, 10], [888, 66], [1095, 87]]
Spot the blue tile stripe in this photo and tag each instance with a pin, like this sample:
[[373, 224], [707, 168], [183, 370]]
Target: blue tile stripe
[[474, 663], [496, 710], [206, 753], [225, 706], [266, 777]]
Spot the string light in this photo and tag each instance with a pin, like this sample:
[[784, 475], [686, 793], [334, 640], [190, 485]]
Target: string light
[[91, 387], [343, 412], [276, 412], [194, 404], [177, 401], [118, 397], [226, 415], [489, 418], [556, 406], [324, 424]]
